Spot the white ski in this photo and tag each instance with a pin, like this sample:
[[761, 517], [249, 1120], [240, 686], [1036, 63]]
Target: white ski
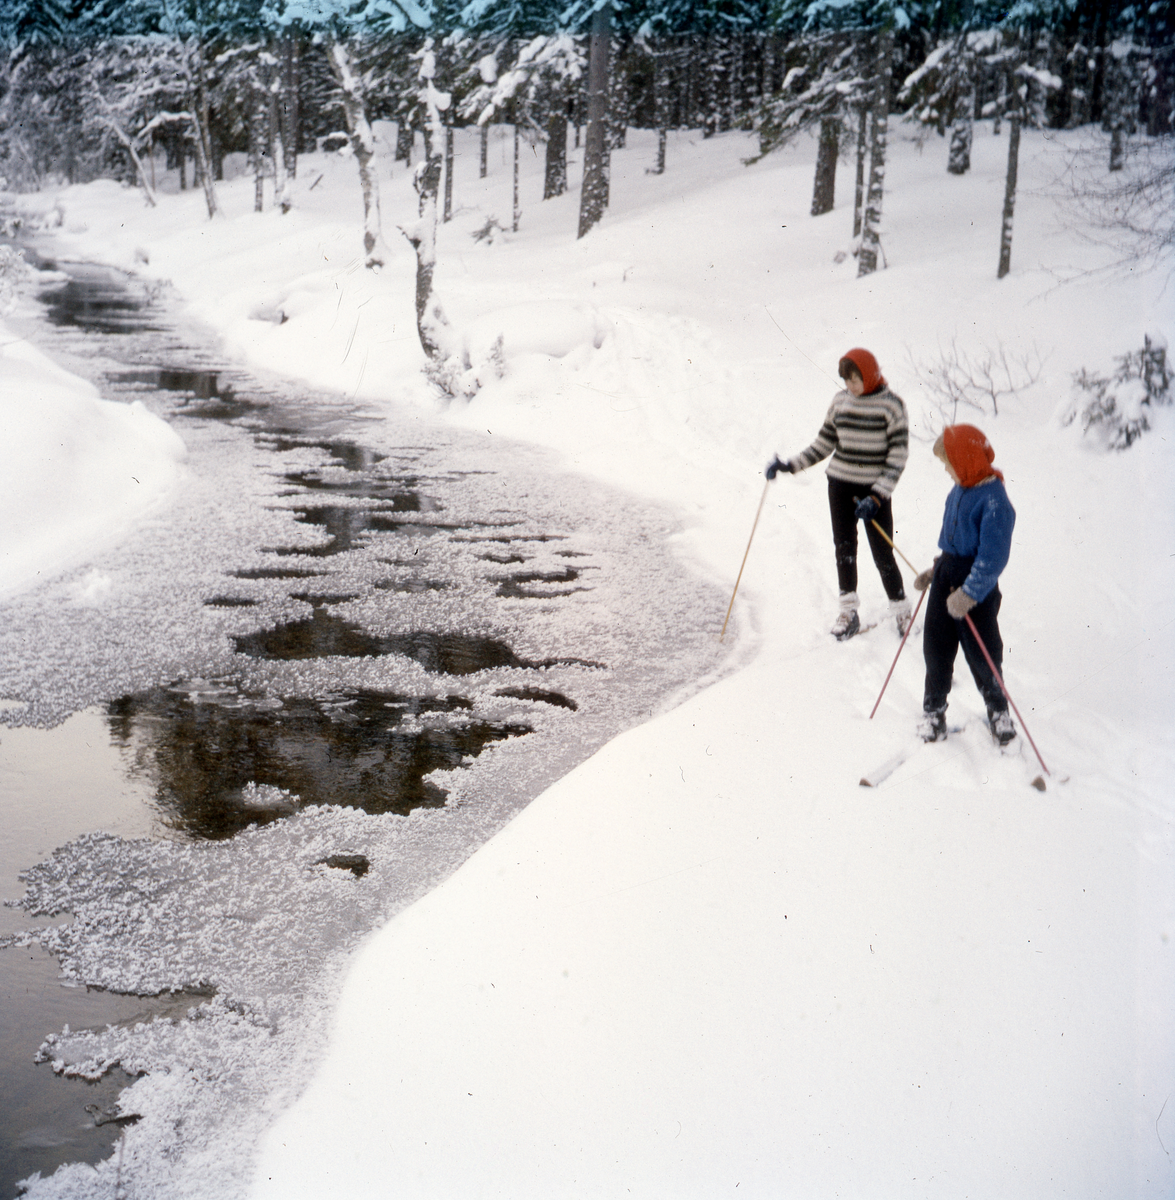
[[884, 770]]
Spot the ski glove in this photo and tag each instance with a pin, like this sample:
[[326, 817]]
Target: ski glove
[[959, 604], [776, 465], [868, 508], [923, 578]]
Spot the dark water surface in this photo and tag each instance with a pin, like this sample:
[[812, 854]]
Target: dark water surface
[[336, 610]]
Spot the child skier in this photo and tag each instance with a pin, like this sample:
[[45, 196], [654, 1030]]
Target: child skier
[[975, 541], [867, 434]]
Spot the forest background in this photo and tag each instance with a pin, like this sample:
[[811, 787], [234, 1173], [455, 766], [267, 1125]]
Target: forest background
[[94, 89]]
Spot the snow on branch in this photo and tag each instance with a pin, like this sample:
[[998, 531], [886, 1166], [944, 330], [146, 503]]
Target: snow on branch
[[1118, 407]]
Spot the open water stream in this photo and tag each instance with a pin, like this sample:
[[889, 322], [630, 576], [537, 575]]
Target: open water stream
[[292, 701]]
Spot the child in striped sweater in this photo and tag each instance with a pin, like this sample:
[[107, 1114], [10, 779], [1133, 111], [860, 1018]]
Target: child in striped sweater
[[867, 434]]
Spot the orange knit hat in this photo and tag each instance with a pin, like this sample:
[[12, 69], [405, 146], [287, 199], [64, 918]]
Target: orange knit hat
[[867, 365], [969, 453]]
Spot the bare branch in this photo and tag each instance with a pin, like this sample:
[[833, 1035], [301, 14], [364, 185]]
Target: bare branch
[[981, 380]]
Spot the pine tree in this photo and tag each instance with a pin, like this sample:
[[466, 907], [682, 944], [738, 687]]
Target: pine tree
[[822, 83]]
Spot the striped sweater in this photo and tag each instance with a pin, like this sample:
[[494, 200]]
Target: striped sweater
[[868, 438]]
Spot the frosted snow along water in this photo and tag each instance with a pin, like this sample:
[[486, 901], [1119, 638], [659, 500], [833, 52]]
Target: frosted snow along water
[[631, 925]]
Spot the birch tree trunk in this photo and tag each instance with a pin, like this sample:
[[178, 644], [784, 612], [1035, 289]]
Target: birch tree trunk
[[596, 163], [290, 115], [448, 173], [824, 187], [859, 194], [129, 146], [1009, 193], [517, 207], [871, 227], [200, 120], [423, 238], [281, 178], [363, 144], [257, 146]]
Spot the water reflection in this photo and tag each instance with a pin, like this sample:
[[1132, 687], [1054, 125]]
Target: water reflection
[[322, 634], [220, 759]]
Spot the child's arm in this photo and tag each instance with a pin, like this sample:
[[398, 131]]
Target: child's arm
[[997, 518], [826, 442]]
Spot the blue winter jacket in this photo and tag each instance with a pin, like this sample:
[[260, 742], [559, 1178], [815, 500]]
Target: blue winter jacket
[[978, 524]]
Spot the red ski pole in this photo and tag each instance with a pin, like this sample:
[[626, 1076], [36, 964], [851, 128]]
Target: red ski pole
[[999, 680], [900, 649]]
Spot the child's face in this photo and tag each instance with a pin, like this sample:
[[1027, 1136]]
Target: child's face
[[855, 384], [950, 470]]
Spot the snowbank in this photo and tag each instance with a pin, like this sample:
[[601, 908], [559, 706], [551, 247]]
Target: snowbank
[[75, 471], [707, 960]]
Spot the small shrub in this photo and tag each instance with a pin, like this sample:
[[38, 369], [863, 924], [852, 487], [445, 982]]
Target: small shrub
[[1117, 407], [13, 272]]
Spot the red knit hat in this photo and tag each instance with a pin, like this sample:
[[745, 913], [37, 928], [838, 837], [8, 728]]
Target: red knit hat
[[867, 365], [970, 453]]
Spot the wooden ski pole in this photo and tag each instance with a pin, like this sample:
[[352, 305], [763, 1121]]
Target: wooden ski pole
[[893, 547], [755, 526], [1000, 681], [900, 649]]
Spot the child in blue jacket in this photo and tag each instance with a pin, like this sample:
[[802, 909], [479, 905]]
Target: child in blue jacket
[[975, 541]]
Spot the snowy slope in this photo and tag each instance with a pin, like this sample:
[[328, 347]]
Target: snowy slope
[[707, 960], [76, 471]]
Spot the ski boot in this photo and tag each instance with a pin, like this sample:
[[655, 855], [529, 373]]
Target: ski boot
[[847, 622], [933, 726], [900, 611], [1000, 722]]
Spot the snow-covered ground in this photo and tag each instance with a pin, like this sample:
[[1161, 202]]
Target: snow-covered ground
[[76, 471], [707, 962]]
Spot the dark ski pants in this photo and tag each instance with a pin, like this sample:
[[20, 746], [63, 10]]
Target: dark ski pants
[[943, 634], [842, 503]]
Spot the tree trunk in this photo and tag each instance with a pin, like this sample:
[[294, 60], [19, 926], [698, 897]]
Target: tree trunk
[[661, 104], [1009, 194], [363, 144], [485, 147], [555, 174], [824, 187], [617, 103], [859, 195], [736, 81], [596, 164], [517, 209], [1117, 99], [281, 178], [423, 237], [257, 147], [871, 227], [712, 69], [405, 136], [448, 173], [118, 132], [959, 157], [203, 150], [291, 118]]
